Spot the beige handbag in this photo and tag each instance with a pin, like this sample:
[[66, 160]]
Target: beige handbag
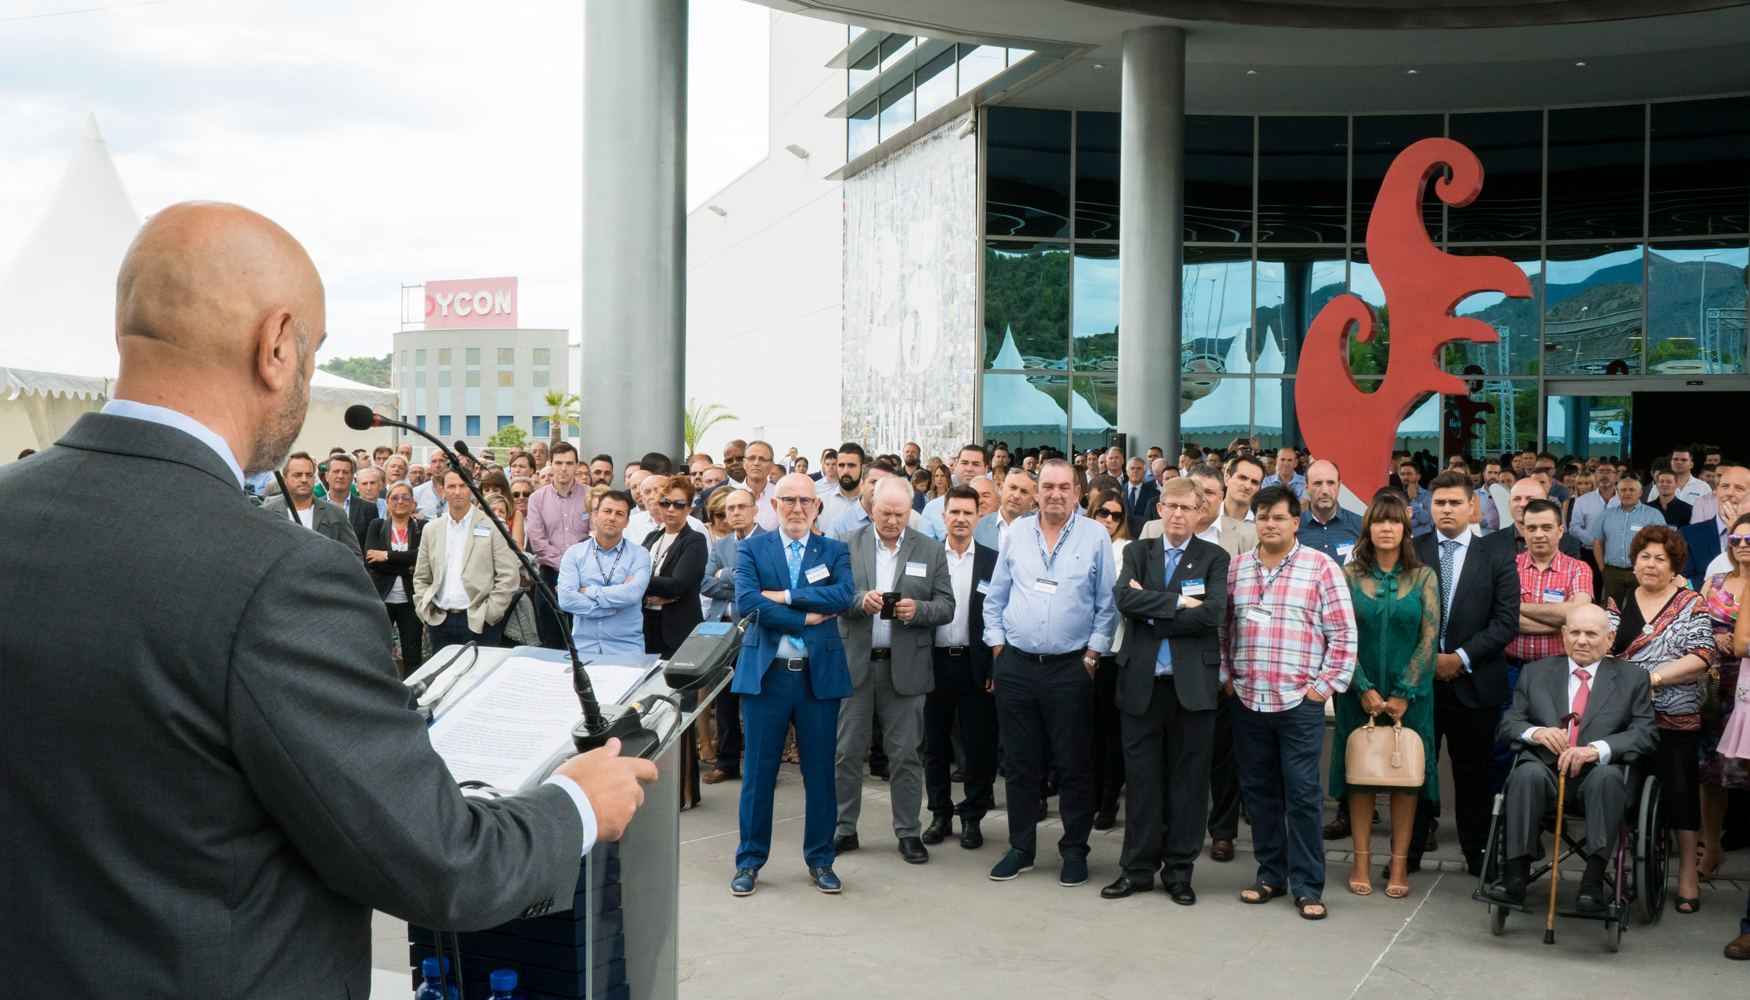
[[1389, 757]]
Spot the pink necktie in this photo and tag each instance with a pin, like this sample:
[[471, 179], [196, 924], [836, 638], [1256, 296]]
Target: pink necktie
[[1580, 697]]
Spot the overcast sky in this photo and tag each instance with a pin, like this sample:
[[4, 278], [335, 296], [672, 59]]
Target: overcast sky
[[399, 141]]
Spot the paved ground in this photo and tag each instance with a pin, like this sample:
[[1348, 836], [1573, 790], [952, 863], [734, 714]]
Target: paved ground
[[944, 929]]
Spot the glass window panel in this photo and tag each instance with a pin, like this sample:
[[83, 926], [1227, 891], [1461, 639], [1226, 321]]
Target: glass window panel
[[1700, 169], [1596, 158], [1096, 175], [473, 377], [443, 355], [1695, 307], [895, 47], [419, 379], [539, 378], [1096, 307], [1514, 320], [1026, 411], [504, 421], [1370, 358], [935, 82], [444, 426], [1587, 425], [419, 357], [1016, 55], [863, 70], [542, 356], [1218, 178], [443, 377], [861, 131], [1497, 416], [1592, 310], [1217, 303], [897, 108], [473, 427], [979, 63], [507, 355], [1303, 167], [1214, 411], [1509, 144], [1293, 285], [1093, 414], [1026, 305], [1378, 141], [473, 355], [507, 378], [1027, 174], [542, 427]]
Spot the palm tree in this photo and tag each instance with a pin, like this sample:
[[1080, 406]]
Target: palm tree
[[700, 419], [560, 410]]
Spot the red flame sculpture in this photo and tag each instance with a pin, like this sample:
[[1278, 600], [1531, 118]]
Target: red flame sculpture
[[1422, 285]]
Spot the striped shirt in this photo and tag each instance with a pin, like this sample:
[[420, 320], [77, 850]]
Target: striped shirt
[[1287, 631], [1618, 528], [1565, 577]]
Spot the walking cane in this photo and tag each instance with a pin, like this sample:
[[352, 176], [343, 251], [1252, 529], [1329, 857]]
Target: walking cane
[[1555, 868]]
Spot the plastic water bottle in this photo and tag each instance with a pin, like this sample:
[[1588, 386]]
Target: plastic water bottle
[[433, 987], [503, 985]]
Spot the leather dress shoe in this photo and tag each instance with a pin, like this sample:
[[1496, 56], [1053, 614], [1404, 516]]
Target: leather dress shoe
[[1510, 889], [1126, 886], [1182, 893], [913, 851], [1739, 947], [742, 883], [879, 770], [1221, 850], [1338, 828], [1107, 817], [970, 837], [1591, 898], [940, 829], [845, 843], [716, 775], [824, 879]]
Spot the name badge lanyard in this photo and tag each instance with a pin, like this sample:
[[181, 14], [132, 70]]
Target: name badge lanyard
[[1270, 581], [607, 578], [1050, 558]]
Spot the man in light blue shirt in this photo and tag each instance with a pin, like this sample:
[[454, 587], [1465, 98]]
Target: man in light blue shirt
[[972, 463], [1286, 461], [602, 581], [1048, 615]]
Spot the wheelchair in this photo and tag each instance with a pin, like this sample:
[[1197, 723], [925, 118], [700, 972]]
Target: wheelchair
[[1635, 880]]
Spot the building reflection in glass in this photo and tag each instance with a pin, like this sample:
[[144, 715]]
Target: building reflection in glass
[[1592, 310]]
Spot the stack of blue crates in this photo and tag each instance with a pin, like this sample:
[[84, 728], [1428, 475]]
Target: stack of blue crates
[[551, 954]]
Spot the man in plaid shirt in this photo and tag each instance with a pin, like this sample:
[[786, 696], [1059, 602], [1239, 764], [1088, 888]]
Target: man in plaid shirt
[[1551, 585], [1288, 644]]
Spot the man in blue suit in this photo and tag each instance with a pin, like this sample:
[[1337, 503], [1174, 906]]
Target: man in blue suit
[[792, 670], [1707, 538]]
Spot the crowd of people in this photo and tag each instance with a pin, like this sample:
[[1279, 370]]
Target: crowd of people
[[1161, 640]]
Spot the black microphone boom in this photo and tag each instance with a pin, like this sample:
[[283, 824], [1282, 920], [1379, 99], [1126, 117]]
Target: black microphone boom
[[622, 724]]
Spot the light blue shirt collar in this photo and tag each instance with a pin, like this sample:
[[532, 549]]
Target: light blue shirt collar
[[180, 421]]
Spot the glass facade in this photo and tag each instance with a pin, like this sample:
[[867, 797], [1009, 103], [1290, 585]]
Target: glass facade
[[903, 78], [1632, 222]]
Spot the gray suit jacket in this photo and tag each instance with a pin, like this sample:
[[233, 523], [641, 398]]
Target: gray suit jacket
[[989, 526], [1237, 537], [1619, 709], [914, 670], [721, 589], [211, 775], [331, 521]]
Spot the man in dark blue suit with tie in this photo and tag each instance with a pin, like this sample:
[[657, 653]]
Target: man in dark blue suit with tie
[[792, 670]]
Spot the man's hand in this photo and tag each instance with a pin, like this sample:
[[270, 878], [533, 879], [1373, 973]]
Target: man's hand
[[1227, 687], [1574, 758], [904, 609], [1552, 738], [1447, 666], [815, 618], [1134, 585], [1728, 510], [1372, 703], [1313, 695], [1090, 660], [613, 784], [872, 602], [380, 555], [1189, 602], [990, 686], [657, 602], [995, 653]]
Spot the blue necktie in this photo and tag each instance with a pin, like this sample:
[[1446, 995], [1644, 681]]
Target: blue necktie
[[1164, 659], [795, 558]]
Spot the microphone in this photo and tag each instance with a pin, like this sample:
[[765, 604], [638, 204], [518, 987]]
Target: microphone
[[362, 418]]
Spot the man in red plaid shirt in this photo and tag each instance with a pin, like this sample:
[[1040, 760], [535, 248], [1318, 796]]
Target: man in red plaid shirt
[[1551, 586], [1288, 644]]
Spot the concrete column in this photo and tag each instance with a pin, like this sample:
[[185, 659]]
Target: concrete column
[[633, 381], [1151, 226]]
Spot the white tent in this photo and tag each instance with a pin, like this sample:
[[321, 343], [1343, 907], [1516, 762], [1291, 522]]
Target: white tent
[[1227, 410], [1016, 409], [57, 336]]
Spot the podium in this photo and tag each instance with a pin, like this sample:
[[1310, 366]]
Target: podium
[[619, 941]]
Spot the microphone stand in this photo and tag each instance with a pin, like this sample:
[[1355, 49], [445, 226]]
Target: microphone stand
[[600, 723]]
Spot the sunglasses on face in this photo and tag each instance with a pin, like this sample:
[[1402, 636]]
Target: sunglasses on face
[[1108, 514], [671, 504], [518, 494], [1738, 539]]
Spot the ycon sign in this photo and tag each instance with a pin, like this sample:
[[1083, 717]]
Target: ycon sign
[[470, 302], [1340, 421]]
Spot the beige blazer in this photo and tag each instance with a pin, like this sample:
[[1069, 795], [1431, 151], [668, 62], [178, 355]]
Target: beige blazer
[[1237, 537], [489, 571]]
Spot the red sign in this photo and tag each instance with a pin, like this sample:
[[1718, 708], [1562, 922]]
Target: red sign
[[470, 302], [1355, 428]]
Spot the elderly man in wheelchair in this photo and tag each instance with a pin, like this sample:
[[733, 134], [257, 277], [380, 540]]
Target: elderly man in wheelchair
[[1584, 714]]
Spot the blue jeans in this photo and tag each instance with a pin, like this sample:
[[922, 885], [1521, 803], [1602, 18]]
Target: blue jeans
[[787, 698], [454, 631], [1277, 757]]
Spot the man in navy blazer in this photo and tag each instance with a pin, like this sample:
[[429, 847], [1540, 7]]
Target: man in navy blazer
[[1705, 538], [792, 671]]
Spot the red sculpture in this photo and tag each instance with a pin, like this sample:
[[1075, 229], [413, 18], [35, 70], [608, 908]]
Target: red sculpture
[[1340, 421]]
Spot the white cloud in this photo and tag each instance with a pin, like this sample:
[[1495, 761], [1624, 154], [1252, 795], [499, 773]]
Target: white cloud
[[400, 141]]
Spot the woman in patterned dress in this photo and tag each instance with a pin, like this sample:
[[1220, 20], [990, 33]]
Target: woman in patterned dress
[[1723, 594]]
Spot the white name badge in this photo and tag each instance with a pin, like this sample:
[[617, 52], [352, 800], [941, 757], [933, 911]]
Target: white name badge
[[1344, 549], [1554, 596], [1191, 588], [1045, 586], [984, 586], [482, 531], [914, 569], [815, 574], [1258, 615]]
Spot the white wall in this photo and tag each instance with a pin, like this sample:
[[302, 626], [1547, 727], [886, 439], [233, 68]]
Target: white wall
[[764, 282]]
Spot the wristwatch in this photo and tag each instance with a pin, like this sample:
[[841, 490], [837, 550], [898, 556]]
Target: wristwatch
[[1091, 660]]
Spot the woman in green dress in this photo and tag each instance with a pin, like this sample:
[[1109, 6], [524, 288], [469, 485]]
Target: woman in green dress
[[1397, 617]]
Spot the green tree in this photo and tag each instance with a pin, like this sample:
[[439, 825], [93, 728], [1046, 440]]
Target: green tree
[[509, 436], [370, 371], [560, 409], [701, 418]]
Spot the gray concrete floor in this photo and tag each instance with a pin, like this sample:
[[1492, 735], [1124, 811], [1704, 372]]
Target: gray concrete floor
[[945, 929]]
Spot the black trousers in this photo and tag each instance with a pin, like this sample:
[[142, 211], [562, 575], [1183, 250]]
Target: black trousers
[[1469, 736], [959, 697], [547, 623], [729, 740], [1042, 712], [1167, 750], [1107, 742], [1224, 781], [411, 631]]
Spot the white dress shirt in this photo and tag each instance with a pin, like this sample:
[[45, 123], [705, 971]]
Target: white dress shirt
[[1693, 490], [1458, 556], [1212, 534], [958, 632], [452, 596], [428, 500], [1602, 747], [886, 564]]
